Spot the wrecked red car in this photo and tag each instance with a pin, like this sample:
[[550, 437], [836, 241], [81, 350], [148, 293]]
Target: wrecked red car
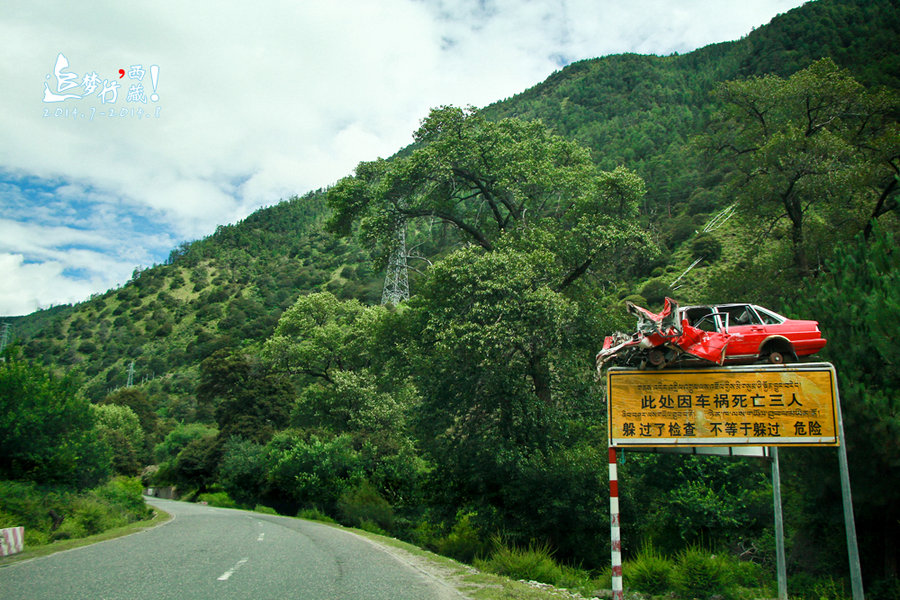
[[714, 333]]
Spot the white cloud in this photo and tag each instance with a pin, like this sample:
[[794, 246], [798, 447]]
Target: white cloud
[[260, 101]]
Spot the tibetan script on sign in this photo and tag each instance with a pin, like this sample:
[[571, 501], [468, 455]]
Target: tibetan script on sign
[[726, 406]]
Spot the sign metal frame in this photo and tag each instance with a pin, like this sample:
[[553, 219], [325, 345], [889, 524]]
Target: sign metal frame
[[764, 405]]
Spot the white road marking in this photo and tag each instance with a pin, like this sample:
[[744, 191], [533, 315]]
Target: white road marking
[[261, 536], [224, 576]]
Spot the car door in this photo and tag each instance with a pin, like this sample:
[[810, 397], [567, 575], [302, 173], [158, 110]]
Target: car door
[[747, 330]]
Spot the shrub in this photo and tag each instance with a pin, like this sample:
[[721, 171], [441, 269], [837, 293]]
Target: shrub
[[364, 503], [748, 574], [699, 574], [534, 563], [635, 299], [219, 499], [371, 527], [266, 510], [649, 572], [94, 517], [464, 542], [884, 589], [70, 529], [655, 291], [124, 495], [707, 247], [314, 514], [809, 587]]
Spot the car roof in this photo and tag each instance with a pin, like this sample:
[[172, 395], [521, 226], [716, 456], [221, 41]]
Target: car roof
[[718, 304]]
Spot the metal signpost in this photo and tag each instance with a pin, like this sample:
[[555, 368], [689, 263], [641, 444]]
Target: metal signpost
[[741, 411]]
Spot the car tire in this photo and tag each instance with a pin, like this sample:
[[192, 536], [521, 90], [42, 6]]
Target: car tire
[[779, 357]]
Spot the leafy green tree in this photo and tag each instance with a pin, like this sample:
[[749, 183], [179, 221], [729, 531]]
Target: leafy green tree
[[671, 502], [242, 471], [498, 362], [857, 304], [48, 427], [196, 464], [319, 335], [488, 180], [816, 149], [176, 440], [313, 470], [139, 402], [251, 401], [119, 428]]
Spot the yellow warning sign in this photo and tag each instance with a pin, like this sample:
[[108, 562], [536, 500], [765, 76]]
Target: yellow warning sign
[[727, 406]]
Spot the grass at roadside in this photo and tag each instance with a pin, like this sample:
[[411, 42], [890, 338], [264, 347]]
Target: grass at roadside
[[158, 518], [468, 580]]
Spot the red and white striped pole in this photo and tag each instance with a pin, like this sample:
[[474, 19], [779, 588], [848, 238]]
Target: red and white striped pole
[[618, 593]]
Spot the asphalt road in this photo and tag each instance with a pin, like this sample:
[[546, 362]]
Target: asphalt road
[[216, 553]]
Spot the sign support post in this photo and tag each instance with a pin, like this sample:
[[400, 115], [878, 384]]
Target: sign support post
[[614, 532], [856, 585], [781, 564]]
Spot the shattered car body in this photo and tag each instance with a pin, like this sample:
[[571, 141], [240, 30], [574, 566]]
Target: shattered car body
[[711, 334]]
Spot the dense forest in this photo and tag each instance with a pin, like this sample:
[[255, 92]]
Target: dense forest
[[258, 367]]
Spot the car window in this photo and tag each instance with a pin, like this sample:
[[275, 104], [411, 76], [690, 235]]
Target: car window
[[768, 317], [700, 317], [740, 314]]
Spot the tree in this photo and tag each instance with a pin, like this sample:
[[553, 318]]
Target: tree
[[857, 303], [815, 148], [498, 359], [490, 180], [119, 428], [319, 335], [251, 400], [137, 400], [47, 427]]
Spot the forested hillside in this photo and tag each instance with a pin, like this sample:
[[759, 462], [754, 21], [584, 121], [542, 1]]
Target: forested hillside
[[468, 419]]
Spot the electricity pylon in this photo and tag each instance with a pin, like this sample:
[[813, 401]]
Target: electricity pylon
[[4, 337], [396, 279]]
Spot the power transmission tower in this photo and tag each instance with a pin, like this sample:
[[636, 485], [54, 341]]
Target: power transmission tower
[[130, 375], [4, 337], [396, 279]]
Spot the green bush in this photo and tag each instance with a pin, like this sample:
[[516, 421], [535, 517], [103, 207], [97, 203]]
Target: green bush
[[125, 495], [95, 517], [464, 542], [266, 510], [655, 291], [884, 589], [220, 499], [649, 572], [707, 247], [364, 503], [810, 587], [371, 527], [534, 563], [50, 513], [748, 574], [698, 574], [314, 514], [69, 530]]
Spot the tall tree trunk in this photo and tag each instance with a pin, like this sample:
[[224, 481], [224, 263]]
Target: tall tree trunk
[[801, 263], [540, 375]]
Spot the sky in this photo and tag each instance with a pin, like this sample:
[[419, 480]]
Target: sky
[[129, 128]]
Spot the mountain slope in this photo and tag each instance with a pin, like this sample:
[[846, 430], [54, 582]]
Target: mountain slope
[[228, 289]]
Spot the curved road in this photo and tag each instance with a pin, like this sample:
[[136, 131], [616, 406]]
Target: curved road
[[206, 553]]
